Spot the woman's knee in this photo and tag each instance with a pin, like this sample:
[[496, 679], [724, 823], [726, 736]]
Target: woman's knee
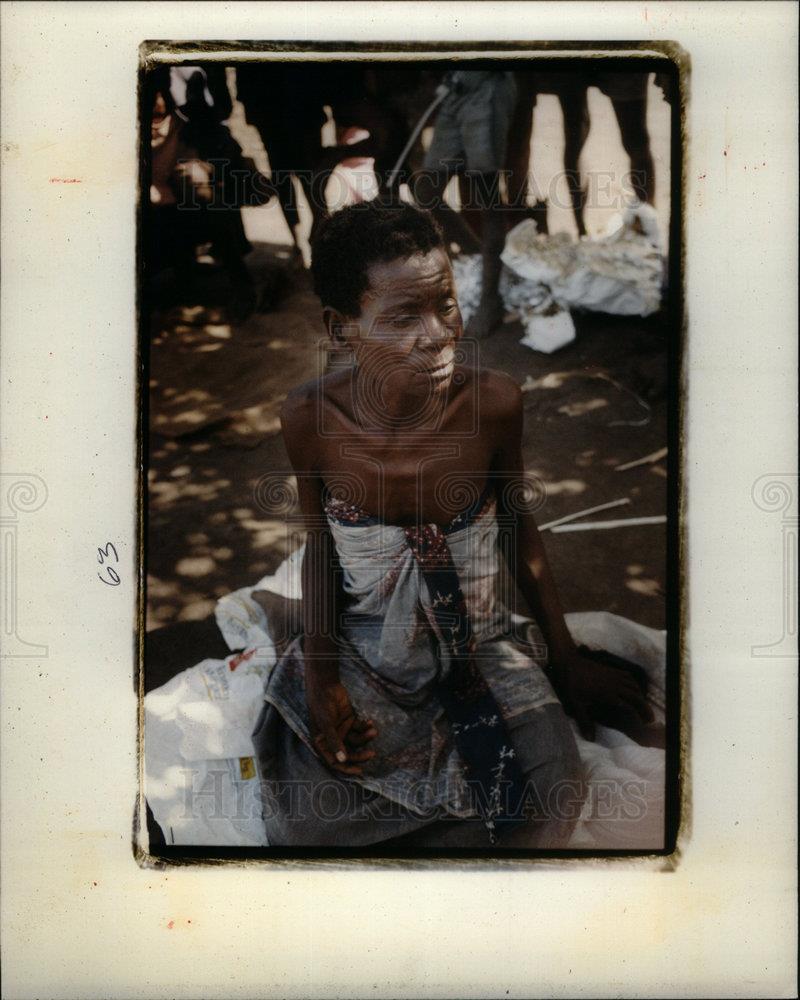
[[554, 791], [551, 805]]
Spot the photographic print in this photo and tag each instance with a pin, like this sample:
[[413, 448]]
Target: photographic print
[[410, 332]]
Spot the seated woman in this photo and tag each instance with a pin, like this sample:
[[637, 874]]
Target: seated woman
[[407, 711]]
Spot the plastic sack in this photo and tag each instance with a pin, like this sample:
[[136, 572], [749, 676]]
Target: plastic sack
[[201, 775], [544, 277], [547, 326]]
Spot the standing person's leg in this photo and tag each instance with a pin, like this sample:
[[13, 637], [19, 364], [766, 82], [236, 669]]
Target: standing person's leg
[[282, 164], [389, 132], [631, 111], [428, 188], [472, 130], [468, 210], [486, 196], [485, 121], [518, 153], [303, 150], [291, 151], [575, 109], [444, 159], [230, 244]]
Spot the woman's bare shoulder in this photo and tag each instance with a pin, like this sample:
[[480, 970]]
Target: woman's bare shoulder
[[300, 409], [500, 393], [297, 402], [307, 394]]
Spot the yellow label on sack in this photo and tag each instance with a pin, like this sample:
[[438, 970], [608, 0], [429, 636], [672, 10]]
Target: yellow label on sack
[[247, 768]]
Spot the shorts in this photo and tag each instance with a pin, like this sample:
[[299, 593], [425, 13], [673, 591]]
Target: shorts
[[623, 86], [471, 130]]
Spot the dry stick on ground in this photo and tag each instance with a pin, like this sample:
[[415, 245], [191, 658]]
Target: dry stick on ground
[[581, 513], [602, 525], [654, 457]]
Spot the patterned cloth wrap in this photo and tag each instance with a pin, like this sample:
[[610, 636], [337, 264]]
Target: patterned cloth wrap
[[428, 654]]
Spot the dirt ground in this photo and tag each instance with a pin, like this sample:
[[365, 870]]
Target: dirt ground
[[215, 390]]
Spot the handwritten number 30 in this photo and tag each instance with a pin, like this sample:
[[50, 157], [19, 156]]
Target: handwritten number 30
[[104, 554]]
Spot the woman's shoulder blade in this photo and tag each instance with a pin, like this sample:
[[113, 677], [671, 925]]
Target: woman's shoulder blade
[[301, 409], [500, 393], [298, 407]]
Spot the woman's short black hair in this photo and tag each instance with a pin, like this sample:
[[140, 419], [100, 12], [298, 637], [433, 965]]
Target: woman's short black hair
[[351, 240]]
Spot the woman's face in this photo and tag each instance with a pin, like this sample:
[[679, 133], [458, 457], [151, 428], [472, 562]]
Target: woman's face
[[409, 324]]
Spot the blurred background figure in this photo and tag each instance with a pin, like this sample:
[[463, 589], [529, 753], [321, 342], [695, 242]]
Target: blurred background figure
[[330, 133], [370, 128], [285, 104], [201, 91], [314, 117], [199, 180]]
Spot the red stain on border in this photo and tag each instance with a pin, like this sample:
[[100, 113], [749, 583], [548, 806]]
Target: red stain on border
[[170, 925]]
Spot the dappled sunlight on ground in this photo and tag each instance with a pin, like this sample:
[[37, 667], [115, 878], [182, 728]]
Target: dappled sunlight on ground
[[643, 585], [649, 588], [579, 409], [571, 487]]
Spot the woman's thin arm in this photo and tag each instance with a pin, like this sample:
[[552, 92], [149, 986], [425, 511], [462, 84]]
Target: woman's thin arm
[[320, 604], [587, 689], [523, 547], [338, 734], [535, 580], [317, 575]]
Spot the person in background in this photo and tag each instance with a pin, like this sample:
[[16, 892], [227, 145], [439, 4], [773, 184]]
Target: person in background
[[201, 91], [627, 92], [284, 103], [628, 95], [198, 182], [471, 137]]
